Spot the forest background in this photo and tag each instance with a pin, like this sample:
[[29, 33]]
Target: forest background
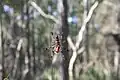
[[88, 34]]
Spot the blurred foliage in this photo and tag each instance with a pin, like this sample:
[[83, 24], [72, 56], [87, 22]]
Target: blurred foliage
[[93, 74], [15, 4]]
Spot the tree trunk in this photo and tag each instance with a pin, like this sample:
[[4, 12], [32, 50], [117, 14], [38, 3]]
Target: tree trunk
[[28, 37], [86, 10], [64, 30], [2, 42]]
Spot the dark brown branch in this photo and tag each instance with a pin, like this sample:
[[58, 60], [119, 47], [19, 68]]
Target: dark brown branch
[[28, 36]]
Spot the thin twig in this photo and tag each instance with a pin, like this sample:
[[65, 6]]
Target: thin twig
[[19, 44], [80, 34], [71, 43], [43, 13], [71, 63], [81, 50]]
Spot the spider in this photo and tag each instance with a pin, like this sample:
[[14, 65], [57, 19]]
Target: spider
[[55, 45]]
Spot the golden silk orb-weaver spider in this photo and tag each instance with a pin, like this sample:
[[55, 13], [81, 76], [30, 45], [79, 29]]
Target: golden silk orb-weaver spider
[[55, 45]]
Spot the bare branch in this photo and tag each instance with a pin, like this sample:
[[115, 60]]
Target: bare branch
[[80, 34], [91, 11], [71, 43], [42, 12], [71, 63], [72, 60], [19, 44], [81, 50], [80, 37]]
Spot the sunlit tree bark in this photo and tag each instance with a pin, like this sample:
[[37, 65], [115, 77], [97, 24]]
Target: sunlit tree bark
[[2, 43]]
